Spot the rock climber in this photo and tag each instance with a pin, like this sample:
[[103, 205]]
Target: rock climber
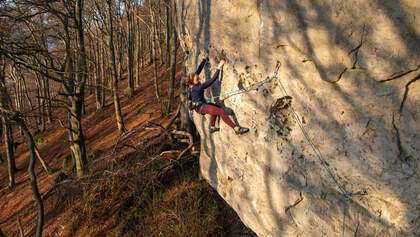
[[199, 104]]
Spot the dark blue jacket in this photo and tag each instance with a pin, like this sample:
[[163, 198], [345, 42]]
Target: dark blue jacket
[[197, 91]]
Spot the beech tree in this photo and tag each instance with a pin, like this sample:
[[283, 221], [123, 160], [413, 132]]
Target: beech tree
[[48, 46], [17, 117], [62, 60], [5, 102], [174, 53]]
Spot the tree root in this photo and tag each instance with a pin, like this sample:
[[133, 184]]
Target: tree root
[[190, 141]]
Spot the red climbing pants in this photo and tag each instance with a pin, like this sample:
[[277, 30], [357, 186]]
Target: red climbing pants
[[215, 111]]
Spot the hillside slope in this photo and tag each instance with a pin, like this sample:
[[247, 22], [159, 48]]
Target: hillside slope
[[108, 200]]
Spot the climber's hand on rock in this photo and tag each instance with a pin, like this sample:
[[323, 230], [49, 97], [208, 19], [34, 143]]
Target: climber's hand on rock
[[222, 62], [206, 56]]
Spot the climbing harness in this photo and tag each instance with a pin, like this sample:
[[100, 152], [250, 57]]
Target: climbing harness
[[345, 194], [194, 105], [198, 104]]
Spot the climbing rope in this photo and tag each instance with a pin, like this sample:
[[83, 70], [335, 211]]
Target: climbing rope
[[317, 153], [245, 89], [239, 91], [345, 194]]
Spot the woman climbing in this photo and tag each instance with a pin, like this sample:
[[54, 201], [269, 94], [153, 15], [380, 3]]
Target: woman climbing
[[196, 94]]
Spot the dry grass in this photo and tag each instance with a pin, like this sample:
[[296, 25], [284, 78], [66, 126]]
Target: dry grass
[[147, 195]]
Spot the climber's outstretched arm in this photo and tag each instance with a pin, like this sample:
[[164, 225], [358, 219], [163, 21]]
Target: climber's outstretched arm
[[214, 78], [201, 66]]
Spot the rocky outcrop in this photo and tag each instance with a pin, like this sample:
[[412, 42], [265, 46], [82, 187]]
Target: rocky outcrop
[[351, 71]]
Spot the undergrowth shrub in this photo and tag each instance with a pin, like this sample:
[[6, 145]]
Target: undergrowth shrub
[[151, 196]]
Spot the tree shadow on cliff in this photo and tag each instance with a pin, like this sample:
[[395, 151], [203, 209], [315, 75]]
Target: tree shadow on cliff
[[365, 116], [202, 40], [321, 113], [319, 106]]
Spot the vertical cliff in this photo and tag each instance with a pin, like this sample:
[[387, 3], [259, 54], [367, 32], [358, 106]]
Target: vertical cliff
[[351, 71]]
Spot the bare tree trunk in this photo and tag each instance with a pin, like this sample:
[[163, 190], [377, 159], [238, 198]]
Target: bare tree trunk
[[173, 70], [77, 145], [139, 46], [32, 177], [25, 90], [159, 33], [120, 123], [48, 100], [48, 104], [142, 44], [130, 41], [97, 76], [42, 160], [119, 54], [40, 92], [75, 93], [17, 90], [73, 157], [103, 74], [38, 107], [7, 134], [150, 39], [154, 51], [81, 52], [77, 102], [155, 69], [91, 64], [8, 140], [28, 99], [168, 36], [186, 123]]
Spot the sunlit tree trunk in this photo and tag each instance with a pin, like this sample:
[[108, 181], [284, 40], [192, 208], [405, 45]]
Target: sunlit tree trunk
[[8, 142], [173, 69], [40, 99], [103, 75], [7, 132], [154, 51], [75, 89], [142, 44], [138, 49], [32, 176], [48, 101], [168, 36], [117, 105], [97, 74], [130, 48]]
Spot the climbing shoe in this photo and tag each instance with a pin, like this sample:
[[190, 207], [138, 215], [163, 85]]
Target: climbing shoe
[[242, 130], [212, 130]]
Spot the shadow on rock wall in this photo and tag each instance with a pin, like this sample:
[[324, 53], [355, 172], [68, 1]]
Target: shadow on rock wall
[[353, 88]]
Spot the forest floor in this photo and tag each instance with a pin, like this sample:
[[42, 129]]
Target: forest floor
[[133, 192]]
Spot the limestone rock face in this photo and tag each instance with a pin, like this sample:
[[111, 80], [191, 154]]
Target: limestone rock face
[[351, 71]]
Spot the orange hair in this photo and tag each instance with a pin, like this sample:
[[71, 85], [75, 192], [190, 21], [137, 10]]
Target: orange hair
[[190, 79]]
